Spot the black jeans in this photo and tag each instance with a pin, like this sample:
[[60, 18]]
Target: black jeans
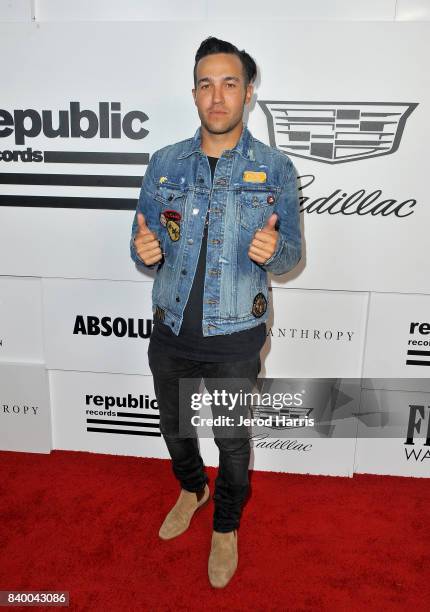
[[231, 484]]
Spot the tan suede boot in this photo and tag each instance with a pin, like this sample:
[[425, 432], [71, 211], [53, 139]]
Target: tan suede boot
[[178, 519], [223, 558]]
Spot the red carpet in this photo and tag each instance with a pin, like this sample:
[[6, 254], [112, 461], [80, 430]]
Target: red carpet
[[88, 524]]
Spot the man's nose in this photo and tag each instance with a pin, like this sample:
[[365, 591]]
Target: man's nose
[[218, 94]]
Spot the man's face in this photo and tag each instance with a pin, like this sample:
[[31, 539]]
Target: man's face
[[220, 93]]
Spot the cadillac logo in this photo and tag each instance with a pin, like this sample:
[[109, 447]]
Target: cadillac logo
[[278, 417], [336, 132]]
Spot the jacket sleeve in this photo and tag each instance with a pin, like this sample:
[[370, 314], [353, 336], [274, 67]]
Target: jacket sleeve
[[288, 250], [146, 205]]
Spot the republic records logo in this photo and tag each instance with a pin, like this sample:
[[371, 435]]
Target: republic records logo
[[54, 144]]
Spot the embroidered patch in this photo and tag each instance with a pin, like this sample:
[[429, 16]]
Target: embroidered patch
[[169, 215], [270, 199], [162, 179], [254, 177], [173, 230], [259, 305], [172, 215], [159, 313]]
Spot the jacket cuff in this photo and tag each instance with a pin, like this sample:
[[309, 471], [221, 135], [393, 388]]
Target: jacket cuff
[[285, 258], [278, 249]]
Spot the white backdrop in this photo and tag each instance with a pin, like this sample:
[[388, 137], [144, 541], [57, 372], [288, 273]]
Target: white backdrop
[[66, 219], [25, 409], [342, 251], [383, 446]]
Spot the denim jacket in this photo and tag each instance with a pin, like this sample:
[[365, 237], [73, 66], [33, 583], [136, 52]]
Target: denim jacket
[[251, 181]]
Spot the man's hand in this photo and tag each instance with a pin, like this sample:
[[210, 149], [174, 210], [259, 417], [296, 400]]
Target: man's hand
[[146, 242], [263, 244]]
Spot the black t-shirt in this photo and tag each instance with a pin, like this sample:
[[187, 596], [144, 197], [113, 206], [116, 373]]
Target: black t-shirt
[[190, 343]]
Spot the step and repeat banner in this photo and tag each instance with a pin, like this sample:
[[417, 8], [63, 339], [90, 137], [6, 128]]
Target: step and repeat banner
[[78, 126]]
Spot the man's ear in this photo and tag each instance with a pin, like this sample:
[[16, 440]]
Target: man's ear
[[193, 91], [249, 92]]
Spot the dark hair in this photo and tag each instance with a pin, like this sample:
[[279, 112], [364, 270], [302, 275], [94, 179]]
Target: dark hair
[[213, 45]]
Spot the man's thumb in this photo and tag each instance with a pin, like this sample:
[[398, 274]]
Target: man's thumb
[[271, 222], [142, 223]]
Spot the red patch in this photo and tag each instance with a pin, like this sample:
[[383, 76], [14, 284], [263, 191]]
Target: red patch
[[172, 215]]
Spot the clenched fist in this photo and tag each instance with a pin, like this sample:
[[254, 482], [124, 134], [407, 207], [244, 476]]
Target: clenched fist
[[263, 244], [146, 242]]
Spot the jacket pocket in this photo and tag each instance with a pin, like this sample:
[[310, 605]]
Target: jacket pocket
[[256, 204]]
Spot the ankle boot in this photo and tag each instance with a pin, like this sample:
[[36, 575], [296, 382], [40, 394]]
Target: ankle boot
[[223, 558], [178, 519]]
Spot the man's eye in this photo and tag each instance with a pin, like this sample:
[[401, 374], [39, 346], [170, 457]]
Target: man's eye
[[231, 84], [204, 86]]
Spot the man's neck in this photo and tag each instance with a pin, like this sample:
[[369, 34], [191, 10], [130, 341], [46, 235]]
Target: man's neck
[[214, 144]]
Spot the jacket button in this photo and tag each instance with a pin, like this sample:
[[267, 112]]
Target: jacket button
[[190, 241], [172, 324], [177, 298], [183, 271]]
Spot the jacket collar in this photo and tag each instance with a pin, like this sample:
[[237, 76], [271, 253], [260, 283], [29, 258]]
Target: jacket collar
[[243, 145]]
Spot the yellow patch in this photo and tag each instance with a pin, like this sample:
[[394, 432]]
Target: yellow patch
[[163, 179], [254, 177], [173, 230]]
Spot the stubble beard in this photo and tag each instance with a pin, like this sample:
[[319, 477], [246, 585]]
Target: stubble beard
[[213, 129]]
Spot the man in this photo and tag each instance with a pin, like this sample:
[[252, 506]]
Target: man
[[206, 219]]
